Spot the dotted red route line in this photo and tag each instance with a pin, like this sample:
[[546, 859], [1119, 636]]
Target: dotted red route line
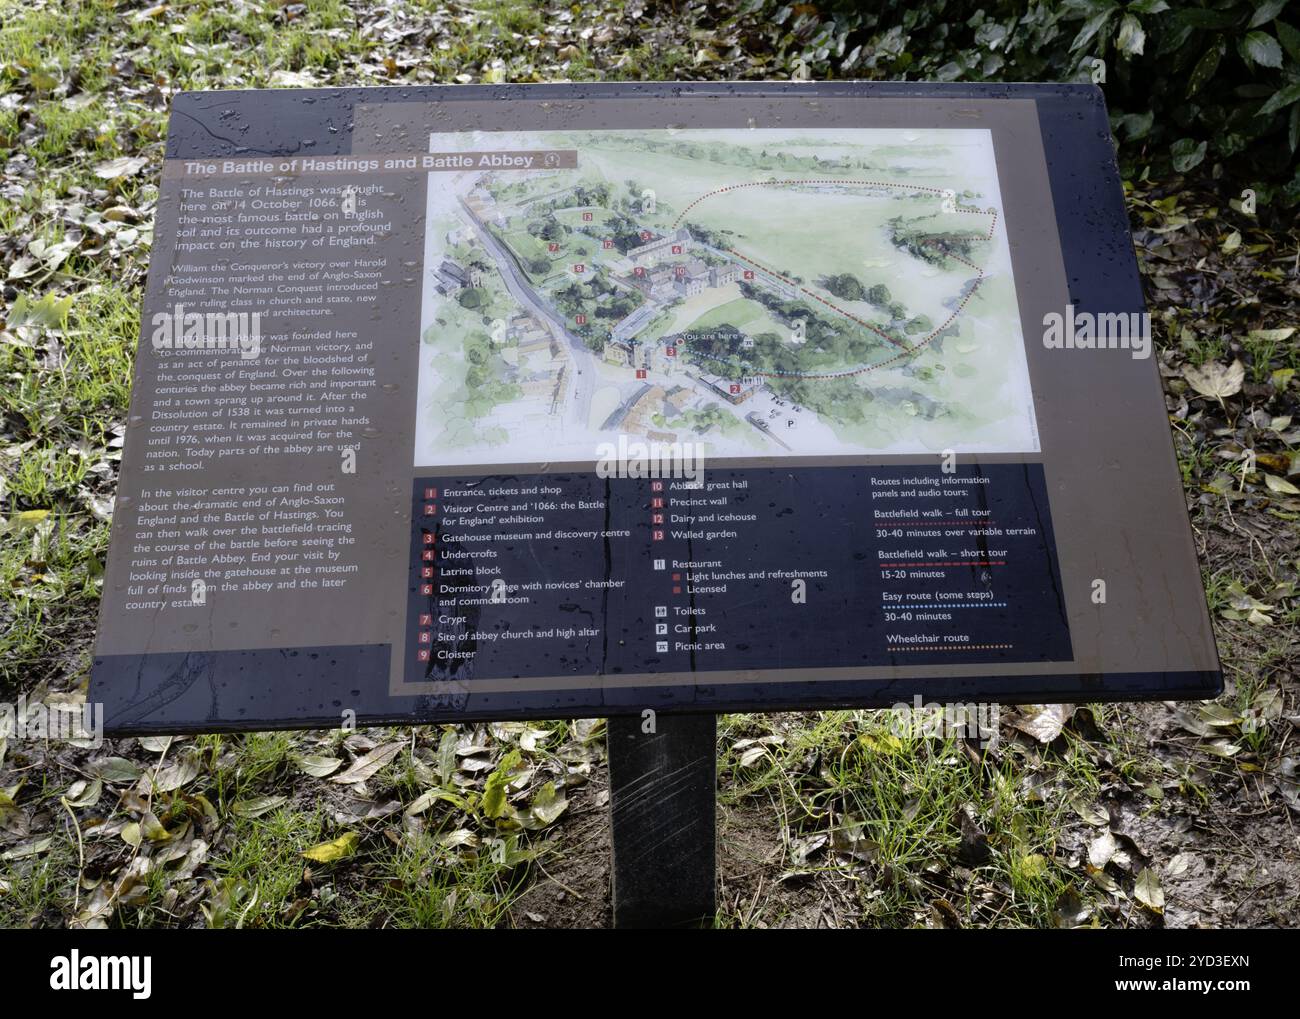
[[906, 351], [980, 212], [856, 183], [954, 647], [817, 297], [957, 562], [932, 520], [942, 523]]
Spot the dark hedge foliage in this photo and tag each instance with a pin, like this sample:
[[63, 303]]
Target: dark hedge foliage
[[1211, 87]]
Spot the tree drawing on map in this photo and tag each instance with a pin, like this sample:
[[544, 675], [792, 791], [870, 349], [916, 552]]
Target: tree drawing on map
[[763, 292]]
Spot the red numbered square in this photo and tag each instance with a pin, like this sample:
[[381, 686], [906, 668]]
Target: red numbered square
[[423, 654], [658, 536], [749, 274], [580, 319], [579, 268], [426, 637], [656, 486], [426, 589], [656, 504], [431, 493], [428, 538], [671, 351], [552, 247], [607, 243], [426, 572], [427, 555], [430, 509], [639, 271], [657, 518], [677, 249], [640, 373], [735, 389], [426, 619], [586, 216]]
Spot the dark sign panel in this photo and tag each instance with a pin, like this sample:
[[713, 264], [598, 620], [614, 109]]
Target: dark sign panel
[[515, 402]]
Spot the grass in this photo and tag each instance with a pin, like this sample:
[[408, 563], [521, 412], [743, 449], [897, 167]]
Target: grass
[[896, 800]]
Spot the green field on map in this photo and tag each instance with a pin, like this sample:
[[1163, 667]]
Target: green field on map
[[763, 292]]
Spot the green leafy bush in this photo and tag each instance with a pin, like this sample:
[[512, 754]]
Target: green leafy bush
[[1213, 85]]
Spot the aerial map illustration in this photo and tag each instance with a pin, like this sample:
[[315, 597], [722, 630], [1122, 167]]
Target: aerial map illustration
[[761, 292]]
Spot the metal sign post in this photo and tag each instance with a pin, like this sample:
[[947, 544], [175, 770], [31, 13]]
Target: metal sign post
[[663, 811]]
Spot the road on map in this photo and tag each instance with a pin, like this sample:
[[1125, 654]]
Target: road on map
[[582, 380]]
